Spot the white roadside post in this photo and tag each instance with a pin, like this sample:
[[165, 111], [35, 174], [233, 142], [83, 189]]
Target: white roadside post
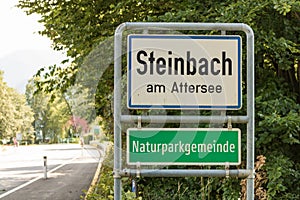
[[45, 167]]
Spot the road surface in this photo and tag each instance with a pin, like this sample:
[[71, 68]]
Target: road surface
[[70, 170]]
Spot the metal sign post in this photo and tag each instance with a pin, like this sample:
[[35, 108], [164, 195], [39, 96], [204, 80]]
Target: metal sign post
[[145, 59]]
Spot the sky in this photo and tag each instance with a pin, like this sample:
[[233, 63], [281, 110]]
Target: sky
[[22, 50]]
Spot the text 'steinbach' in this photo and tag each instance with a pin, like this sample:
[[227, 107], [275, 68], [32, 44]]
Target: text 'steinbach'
[[184, 72]]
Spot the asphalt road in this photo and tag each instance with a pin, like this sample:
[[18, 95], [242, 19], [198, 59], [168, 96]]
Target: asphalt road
[[70, 170]]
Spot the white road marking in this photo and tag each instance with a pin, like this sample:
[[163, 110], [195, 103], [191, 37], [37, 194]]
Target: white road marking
[[37, 178]]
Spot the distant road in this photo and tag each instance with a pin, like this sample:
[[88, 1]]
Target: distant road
[[70, 168]]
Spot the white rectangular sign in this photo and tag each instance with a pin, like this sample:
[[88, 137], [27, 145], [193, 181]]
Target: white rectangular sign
[[184, 72]]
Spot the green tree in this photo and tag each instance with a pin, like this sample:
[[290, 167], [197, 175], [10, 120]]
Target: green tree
[[50, 117], [15, 115]]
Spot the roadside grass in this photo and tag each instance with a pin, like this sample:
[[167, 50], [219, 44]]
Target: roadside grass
[[104, 189]]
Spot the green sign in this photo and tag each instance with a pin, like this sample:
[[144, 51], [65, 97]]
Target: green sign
[[183, 146]]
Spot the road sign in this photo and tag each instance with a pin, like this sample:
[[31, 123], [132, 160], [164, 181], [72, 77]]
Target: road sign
[[186, 146], [19, 136], [184, 72]]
